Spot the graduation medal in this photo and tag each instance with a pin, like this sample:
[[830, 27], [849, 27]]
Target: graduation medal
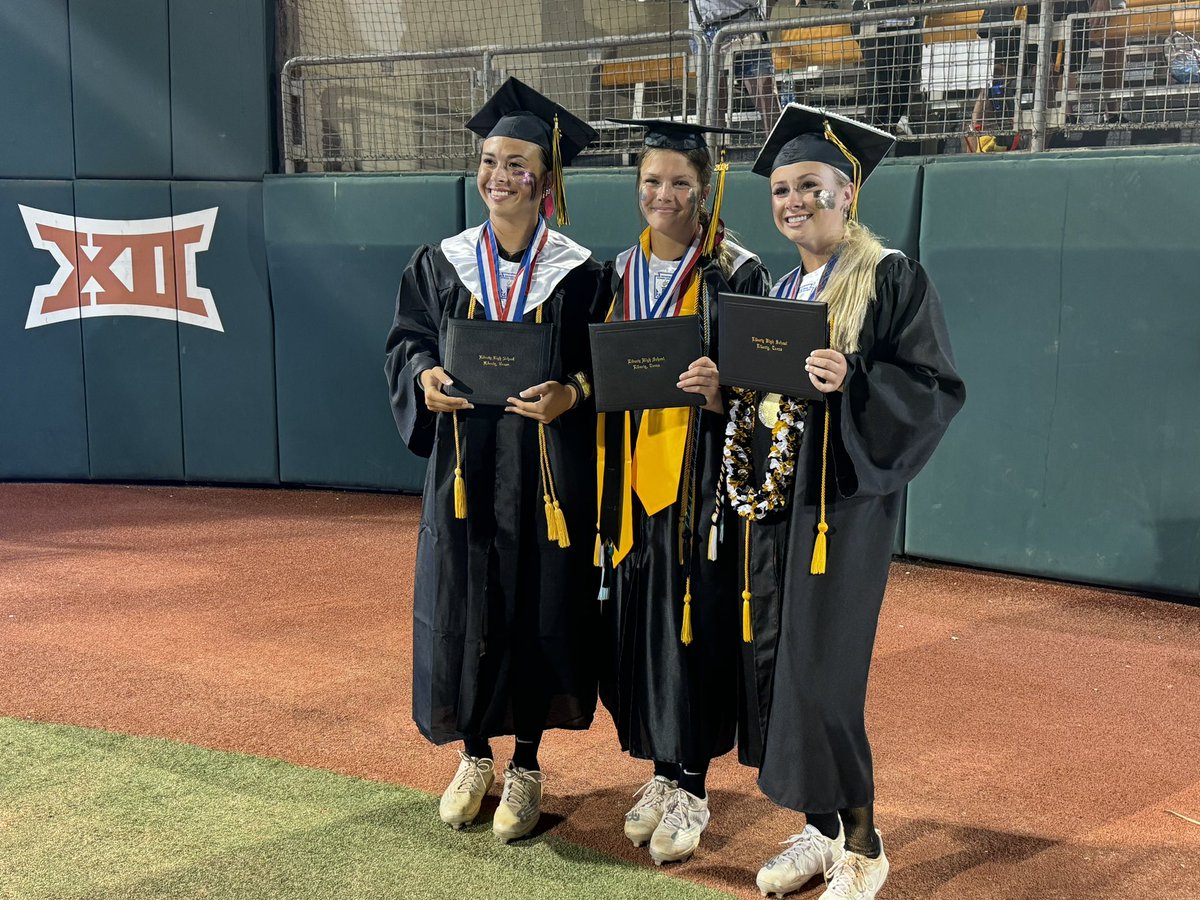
[[768, 409]]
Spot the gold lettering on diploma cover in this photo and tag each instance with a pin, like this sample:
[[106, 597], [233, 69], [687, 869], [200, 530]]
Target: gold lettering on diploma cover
[[645, 362], [774, 345], [492, 361]]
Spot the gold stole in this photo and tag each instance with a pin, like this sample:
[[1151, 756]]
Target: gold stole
[[656, 467]]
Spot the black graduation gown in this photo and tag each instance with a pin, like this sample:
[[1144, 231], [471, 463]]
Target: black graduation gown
[[503, 620], [804, 676], [671, 702]]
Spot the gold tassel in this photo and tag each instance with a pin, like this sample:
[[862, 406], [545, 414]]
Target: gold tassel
[[557, 184], [460, 486], [714, 222], [747, 631], [819, 546], [596, 555], [686, 634], [855, 166], [551, 530], [560, 523]]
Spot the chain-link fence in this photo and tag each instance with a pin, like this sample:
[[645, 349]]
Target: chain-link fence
[[383, 85]]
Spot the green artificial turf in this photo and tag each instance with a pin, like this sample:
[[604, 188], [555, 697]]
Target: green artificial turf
[[86, 813]]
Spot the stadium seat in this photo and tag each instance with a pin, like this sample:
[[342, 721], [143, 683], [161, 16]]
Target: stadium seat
[[821, 45]]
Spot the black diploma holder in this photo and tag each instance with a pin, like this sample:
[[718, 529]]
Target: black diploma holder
[[492, 361], [636, 364], [765, 341]]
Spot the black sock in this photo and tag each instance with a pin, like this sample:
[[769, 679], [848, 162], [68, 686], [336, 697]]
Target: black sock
[[827, 823], [525, 754], [691, 778], [667, 770], [860, 831], [477, 747]]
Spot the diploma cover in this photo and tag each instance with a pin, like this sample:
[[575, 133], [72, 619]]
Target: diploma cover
[[765, 341], [491, 361], [637, 363]]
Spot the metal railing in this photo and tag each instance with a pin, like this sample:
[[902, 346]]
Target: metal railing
[[935, 75]]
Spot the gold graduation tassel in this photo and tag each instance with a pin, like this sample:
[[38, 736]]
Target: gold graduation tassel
[[714, 222], [556, 522], [557, 186], [747, 631], [856, 167], [819, 546], [596, 554], [686, 634], [560, 521], [460, 486]]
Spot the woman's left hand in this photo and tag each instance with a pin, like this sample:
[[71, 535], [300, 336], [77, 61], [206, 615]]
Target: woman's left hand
[[702, 377], [553, 399], [826, 370]]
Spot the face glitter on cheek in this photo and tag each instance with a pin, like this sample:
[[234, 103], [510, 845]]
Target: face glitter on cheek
[[526, 179], [646, 195], [825, 200], [692, 199]]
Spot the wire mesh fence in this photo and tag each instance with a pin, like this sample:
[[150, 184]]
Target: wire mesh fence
[[383, 85]]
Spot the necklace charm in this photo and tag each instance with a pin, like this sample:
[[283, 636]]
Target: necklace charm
[[768, 409]]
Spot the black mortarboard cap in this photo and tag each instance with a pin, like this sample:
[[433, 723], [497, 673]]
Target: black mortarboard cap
[[805, 134], [518, 111], [663, 134]]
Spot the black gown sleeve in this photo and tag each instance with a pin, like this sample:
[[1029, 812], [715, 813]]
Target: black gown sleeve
[[412, 347], [901, 389], [752, 278], [586, 301]]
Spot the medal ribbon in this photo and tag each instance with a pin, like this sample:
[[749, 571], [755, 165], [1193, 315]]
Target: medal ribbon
[[497, 304], [789, 288], [640, 301]]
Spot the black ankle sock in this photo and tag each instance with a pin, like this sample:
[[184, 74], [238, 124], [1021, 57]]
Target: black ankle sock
[[477, 747], [667, 770], [525, 754], [691, 779], [826, 823], [860, 831]]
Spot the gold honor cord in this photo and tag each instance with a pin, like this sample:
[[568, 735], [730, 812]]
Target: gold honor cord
[[556, 521], [747, 631], [820, 545]]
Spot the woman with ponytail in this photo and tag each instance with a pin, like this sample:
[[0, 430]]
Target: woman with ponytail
[[504, 607], [672, 667], [818, 489]]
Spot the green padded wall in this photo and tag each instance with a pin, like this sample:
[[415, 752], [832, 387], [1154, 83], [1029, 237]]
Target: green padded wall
[[227, 377], [120, 83], [44, 427], [1071, 303], [35, 105], [131, 363], [220, 88], [336, 248]]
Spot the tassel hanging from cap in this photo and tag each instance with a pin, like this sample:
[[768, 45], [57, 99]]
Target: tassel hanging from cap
[[685, 634], [714, 223], [557, 186], [854, 164], [820, 549], [747, 630]]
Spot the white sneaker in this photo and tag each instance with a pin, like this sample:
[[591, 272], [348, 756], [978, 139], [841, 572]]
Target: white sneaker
[[678, 833], [856, 877], [462, 798], [641, 821], [810, 854], [520, 804]]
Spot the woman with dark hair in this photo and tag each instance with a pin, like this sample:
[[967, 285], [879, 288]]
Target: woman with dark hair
[[671, 681], [503, 605], [818, 489]]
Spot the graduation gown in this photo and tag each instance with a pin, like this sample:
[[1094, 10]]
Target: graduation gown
[[671, 702], [804, 676], [503, 619]]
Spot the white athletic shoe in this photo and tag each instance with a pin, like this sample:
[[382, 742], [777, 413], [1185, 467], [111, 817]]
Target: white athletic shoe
[[678, 833], [810, 854], [641, 821], [520, 804], [462, 798], [856, 877]]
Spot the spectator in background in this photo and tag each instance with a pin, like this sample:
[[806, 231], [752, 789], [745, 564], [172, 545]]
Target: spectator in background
[[752, 65], [891, 50]]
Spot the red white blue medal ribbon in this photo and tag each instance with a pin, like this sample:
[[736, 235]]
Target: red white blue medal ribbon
[[498, 304], [789, 288], [640, 299]]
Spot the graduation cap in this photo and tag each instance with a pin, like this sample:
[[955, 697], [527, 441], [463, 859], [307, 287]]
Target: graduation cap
[[665, 134], [518, 111], [805, 134]]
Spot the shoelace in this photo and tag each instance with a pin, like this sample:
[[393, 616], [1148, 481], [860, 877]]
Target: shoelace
[[802, 844], [652, 793], [518, 786], [849, 873], [474, 771], [679, 811]]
